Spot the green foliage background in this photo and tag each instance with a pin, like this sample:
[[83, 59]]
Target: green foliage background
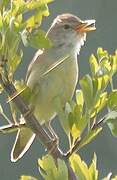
[[105, 145]]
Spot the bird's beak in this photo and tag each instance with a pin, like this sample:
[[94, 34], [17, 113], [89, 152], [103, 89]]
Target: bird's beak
[[86, 26]]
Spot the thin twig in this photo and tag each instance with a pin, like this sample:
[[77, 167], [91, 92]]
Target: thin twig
[[98, 123], [75, 147]]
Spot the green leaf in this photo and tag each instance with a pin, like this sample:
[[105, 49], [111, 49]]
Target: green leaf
[[87, 88], [14, 62], [79, 97], [105, 66], [102, 81], [24, 177], [93, 64], [38, 39], [46, 167], [62, 170], [41, 9], [111, 120], [44, 10], [102, 53], [105, 80], [21, 7], [75, 132], [77, 113], [112, 100], [89, 137], [38, 17], [113, 62], [103, 101], [100, 103], [49, 170], [12, 40], [78, 127], [77, 122], [1, 21], [30, 23], [99, 84], [36, 4], [92, 168], [70, 120], [79, 167], [18, 7], [96, 88]]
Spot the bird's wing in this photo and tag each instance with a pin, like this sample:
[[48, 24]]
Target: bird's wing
[[38, 59], [37, 54]]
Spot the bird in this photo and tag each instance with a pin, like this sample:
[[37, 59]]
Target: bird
[[52, 74]]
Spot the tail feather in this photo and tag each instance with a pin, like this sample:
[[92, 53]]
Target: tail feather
[[23, 141]]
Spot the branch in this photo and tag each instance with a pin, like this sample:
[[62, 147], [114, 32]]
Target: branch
[[30, 119]]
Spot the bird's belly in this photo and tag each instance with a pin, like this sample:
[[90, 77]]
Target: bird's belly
[[59, 83]]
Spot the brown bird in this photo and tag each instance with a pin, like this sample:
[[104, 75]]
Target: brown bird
[[53, 74]]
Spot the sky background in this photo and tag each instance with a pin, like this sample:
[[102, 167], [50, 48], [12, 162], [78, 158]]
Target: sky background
[[105, 146]]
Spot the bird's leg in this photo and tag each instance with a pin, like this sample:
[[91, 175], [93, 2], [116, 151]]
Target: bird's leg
[[51, 131], [47, 126], [55, 140]]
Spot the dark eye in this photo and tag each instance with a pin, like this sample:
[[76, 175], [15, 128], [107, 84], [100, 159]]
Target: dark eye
[[66, 26]]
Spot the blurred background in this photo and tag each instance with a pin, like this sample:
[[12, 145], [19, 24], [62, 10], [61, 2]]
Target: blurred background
[[105, 146]]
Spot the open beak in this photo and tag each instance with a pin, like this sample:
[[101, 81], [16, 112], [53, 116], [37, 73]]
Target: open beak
[[86, 26]]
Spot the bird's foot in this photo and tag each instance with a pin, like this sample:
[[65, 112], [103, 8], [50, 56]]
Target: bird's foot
[[53, 145]]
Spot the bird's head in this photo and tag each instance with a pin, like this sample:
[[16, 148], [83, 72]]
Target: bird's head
[[69, 31]]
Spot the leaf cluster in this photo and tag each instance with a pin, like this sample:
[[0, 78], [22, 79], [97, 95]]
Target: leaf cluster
[[20, 22], [49, 170], [96, 95]]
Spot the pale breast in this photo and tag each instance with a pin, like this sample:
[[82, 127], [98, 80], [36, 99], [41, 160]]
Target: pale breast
[[60, 83]]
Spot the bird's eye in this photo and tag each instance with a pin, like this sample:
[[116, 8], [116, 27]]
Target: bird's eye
[[66, 26]]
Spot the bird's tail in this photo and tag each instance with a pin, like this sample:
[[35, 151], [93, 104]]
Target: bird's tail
[[23, 141]]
